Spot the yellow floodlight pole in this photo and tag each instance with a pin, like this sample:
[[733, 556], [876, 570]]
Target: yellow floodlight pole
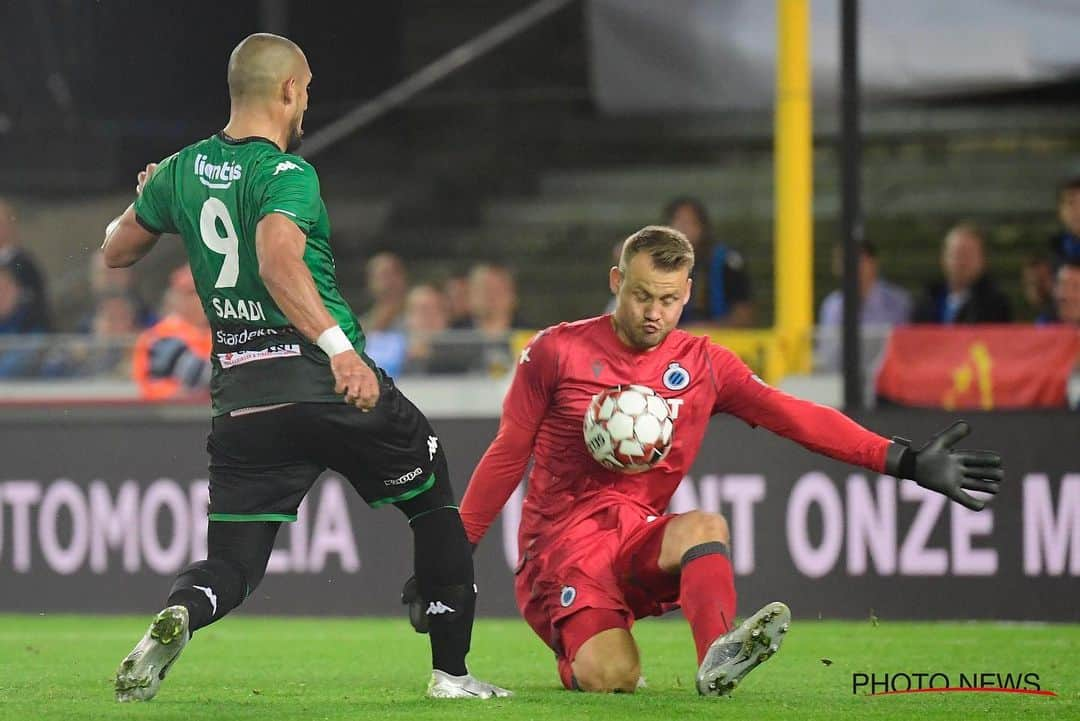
[[793, 175]]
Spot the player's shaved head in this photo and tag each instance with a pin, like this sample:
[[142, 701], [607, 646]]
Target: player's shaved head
[[260, 64], [268, 86]]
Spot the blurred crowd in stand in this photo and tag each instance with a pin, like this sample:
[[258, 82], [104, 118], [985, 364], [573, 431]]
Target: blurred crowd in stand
[[462, 323]]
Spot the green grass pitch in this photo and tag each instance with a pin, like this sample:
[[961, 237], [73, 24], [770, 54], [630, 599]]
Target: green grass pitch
[[272, 669]]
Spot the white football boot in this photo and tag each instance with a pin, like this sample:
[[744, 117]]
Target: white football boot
[[443, 685], [742, 649], [142, 671]]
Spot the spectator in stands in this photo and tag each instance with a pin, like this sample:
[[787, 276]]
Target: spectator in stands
[[967, 294], [15, 258], [384, 323], [1037, 280], [16, 315], [107, 352], [431, 349], [425, 320], [106, 282], [493, 300], [387, 348], [883, 305], [387, 282], [172, 357], [1065, 245], [16, 318], [1067, 292], [721, 289], [493, 304], [456, 290]]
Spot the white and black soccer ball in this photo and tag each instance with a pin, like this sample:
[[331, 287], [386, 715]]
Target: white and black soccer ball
[[628, 428]]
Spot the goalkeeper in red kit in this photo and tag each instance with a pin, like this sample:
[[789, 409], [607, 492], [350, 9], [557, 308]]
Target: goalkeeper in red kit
[[597, 549]]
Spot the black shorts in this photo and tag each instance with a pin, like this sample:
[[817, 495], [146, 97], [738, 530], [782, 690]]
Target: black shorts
[[263, 464]]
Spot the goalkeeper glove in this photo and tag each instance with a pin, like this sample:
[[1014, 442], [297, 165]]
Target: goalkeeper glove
[[938, 467]]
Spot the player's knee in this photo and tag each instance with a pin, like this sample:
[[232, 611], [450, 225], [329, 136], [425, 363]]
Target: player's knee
[[701, 527], [690, 529], [714, 527], [618, 673]]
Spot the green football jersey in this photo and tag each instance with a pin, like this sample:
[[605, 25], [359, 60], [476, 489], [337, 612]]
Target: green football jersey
[[213, 194]]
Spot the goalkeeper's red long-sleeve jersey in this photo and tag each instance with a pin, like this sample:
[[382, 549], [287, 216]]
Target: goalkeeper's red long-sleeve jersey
[[560, 371]]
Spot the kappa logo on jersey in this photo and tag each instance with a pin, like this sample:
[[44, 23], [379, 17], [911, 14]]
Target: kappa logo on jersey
[[528, 349], [219, 176], [287, 165], [402, 480], [597, 368], [566, 598], [228, 360], [437, 608], [676, 377], [432, 446]]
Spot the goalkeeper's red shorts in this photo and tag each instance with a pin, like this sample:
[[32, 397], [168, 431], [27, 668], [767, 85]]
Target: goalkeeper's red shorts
[[600, 573]]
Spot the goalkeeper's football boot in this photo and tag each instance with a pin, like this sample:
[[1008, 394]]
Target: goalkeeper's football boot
[[443, 685], [142, 671], [742, 649]]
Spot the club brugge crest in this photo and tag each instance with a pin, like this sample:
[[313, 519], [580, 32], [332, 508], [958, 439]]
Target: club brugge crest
[[569, 593], [676, 377]]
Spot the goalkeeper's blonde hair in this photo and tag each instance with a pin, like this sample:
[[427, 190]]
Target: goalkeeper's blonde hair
[[668, 248]]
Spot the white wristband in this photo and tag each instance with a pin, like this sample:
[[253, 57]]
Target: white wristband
[[333, 341]]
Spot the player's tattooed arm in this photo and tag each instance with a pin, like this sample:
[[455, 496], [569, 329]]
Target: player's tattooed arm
[[279, 244]]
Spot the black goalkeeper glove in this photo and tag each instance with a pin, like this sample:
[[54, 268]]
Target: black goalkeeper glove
[[410, 596], [940, 468]]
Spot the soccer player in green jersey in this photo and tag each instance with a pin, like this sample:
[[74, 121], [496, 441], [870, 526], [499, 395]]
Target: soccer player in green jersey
[[293, 391]]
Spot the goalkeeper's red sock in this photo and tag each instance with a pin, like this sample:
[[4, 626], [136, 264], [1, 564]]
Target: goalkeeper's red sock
[[707, 593]]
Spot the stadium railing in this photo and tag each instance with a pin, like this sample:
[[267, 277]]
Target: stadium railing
[[465, 375]]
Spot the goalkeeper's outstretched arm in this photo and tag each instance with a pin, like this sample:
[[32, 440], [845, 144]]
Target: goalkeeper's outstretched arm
[[936, 465]]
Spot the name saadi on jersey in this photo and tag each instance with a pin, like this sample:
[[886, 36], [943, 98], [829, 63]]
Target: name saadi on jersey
[[213, 194], [241, 309]]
